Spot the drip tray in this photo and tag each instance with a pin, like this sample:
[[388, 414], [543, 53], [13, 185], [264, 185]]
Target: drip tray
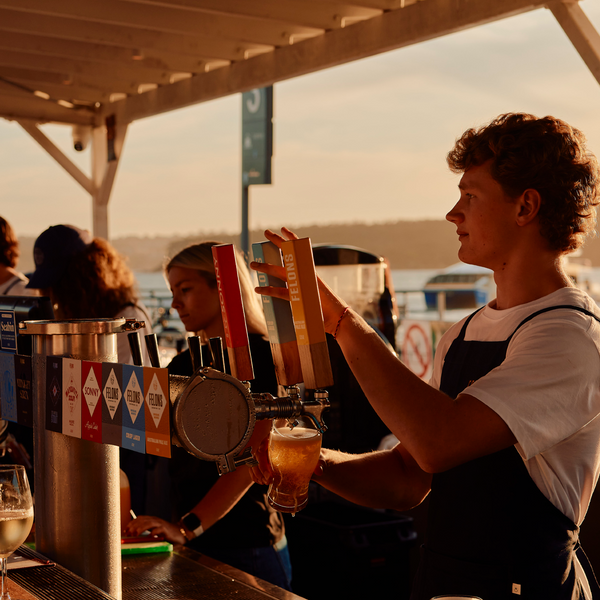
[[54, 582], [181, 575]]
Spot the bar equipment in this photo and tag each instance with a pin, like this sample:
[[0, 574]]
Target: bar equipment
[[213, 415], [220, 430], [77, 482]]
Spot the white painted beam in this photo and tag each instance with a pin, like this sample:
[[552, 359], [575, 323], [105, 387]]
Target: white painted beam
[[57, 154], [208, 45], [321, 15], [79, 67], [158, 18], [104, 53], [14, 108], [395, 29], [580, 31]]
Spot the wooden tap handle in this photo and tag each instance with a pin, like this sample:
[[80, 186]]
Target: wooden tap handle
[[278, 314], [306, 310], [232, 311]]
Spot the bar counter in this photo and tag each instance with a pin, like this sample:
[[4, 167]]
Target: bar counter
[[181, 575]]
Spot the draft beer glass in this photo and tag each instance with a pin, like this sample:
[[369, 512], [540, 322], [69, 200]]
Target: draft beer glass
[[294, 448]]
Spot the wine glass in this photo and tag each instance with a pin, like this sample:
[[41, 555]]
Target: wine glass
[[16, 514]]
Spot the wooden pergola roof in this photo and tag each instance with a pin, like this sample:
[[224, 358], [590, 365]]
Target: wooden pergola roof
[[81, 62]]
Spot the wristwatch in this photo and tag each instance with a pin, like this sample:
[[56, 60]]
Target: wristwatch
[[193, 523]]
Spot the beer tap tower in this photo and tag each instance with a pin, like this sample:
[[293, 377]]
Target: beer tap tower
[[213, 414]]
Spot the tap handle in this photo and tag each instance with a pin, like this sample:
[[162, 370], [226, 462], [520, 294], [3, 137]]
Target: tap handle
[[152, 346], [232, 311], [280, 325], [308, 315], [135, 345], [216, 349], [206, 355], [195, 354]]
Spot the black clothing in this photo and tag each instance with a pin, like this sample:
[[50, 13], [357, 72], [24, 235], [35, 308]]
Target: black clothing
[[352, 424], [251, 522], [490, 528]]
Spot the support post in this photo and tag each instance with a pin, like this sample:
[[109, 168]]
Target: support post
[[580, 31], [72, 169], [245, 234], [104, 170]]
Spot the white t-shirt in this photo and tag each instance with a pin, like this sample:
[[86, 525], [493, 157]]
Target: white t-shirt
[[15, 286], [547, 391]]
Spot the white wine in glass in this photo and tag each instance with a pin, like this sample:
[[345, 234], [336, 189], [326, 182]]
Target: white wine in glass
[[16, 515]]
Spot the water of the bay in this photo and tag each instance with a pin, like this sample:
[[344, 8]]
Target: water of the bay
[[408, 284]]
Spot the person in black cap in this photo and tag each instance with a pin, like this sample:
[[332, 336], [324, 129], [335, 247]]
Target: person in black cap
[[86, 278]]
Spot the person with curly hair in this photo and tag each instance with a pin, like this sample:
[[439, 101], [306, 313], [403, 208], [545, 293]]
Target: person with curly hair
[[12, 282], [504, 438], [86, 278]]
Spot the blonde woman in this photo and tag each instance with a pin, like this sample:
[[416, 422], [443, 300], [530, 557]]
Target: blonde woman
[[225, 517]]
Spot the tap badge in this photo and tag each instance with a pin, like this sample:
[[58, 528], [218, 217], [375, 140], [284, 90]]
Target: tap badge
[[112, 394], [156, 400]]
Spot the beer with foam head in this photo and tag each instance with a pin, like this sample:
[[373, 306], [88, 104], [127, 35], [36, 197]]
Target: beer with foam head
[[294, 454]]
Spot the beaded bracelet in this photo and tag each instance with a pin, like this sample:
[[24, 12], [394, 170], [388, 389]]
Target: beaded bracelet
[[339, 321]]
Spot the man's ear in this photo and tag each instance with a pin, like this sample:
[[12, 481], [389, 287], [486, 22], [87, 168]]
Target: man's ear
[[528, 205]]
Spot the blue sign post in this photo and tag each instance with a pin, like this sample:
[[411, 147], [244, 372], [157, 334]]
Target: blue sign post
[[257, 149]]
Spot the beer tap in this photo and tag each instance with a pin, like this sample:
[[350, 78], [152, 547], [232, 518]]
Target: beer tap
[[215, 345], [213, 413], [206, 355], [195, 352], [135, 346], [152, 347]]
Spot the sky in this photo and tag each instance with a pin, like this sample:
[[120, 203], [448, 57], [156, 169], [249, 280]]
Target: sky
[[364, 142]]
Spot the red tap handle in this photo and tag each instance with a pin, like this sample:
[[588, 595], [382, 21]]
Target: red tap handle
[[232, 311]]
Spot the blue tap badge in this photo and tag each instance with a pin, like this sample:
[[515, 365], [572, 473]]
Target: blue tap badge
[[8, 331], [7, 387]]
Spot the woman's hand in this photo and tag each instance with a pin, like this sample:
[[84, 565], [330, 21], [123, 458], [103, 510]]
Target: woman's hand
[[262, 473], [155, 526], [332, 306]]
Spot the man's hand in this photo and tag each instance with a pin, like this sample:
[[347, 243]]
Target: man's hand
[[332, 306]]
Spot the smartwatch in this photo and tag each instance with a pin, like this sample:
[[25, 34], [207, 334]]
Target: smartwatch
[[193, 523]]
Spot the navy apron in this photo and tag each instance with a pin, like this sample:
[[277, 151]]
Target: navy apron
[[490, 531]]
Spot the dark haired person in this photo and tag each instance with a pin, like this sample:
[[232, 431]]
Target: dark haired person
[[86, 278], [12, 282], [504, 439]]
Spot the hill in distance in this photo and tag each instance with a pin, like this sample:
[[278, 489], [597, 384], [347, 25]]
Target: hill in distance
[[427, 244]]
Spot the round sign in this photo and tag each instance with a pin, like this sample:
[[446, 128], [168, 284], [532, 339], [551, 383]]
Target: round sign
[[416, 350]]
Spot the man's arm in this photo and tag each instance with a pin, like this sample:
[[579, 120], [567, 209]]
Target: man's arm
[[381, 479], [439, 432]]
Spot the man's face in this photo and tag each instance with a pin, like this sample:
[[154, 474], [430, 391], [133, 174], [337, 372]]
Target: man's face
[[485, 219]]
